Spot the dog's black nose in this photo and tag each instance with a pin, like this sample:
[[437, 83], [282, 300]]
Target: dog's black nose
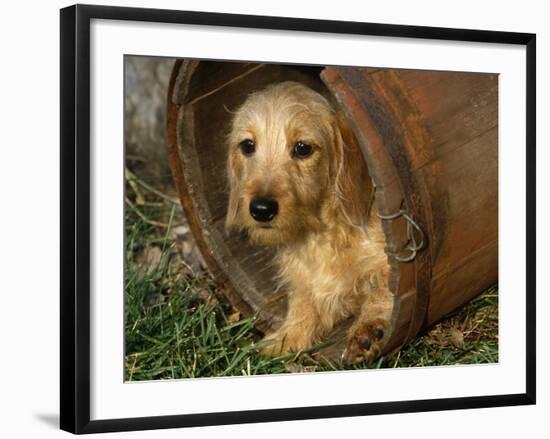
[[263, 209]]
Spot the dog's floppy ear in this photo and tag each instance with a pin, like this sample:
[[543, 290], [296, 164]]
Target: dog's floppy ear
[[233, 174], [354, 186]]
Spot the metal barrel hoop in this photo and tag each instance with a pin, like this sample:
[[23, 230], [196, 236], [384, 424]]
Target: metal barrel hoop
[[412, 245]]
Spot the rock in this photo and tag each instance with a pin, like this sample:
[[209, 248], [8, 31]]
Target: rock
[[146, 83]]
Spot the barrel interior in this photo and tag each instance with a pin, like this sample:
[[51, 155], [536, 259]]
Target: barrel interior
[[206, 93]]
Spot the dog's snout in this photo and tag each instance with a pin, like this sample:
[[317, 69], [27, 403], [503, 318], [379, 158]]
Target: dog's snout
[[263, 209]]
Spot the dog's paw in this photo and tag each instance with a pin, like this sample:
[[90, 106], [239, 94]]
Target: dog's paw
[[366, 342], [270, 345], [282, 342]]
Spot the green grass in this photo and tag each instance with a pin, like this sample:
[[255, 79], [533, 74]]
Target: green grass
[[175, 327]]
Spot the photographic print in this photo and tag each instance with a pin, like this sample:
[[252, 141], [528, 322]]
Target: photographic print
[[335, 217], [307, 218]]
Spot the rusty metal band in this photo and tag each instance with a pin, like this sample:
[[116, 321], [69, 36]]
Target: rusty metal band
[[397, 146]]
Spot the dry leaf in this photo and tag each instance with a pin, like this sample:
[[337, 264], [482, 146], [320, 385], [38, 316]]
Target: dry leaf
[[149, 260], [456, 337], [180, 232], [234, 317], [294, 368]]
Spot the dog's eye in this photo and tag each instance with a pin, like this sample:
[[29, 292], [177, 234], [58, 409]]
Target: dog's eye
[[247, 147], [302, 150]]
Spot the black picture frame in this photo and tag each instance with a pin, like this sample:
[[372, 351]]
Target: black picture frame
[[75, 217]]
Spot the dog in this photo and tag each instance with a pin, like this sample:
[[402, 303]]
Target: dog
[[298, 182]]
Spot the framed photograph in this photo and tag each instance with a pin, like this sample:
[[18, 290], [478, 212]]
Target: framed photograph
[[275, 218]]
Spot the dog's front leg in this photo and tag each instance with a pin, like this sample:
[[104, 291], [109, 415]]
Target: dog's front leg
[[300, 330], [372, 328]]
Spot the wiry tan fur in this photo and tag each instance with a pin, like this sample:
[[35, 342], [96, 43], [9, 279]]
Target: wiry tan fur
[[330, 255]]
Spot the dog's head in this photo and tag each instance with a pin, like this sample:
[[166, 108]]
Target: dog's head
[[294, 166]]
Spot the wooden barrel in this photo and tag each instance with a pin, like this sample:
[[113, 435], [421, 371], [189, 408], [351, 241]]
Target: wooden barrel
[[430, 141]]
